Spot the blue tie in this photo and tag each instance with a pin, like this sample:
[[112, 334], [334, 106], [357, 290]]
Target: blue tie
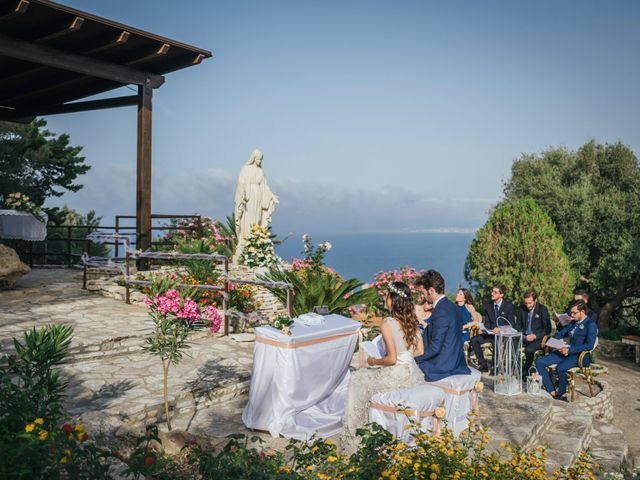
[[529, 332]]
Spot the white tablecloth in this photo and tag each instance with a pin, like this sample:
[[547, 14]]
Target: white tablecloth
[[299, 382], [22, 226]]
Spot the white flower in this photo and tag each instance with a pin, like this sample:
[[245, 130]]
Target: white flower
[[305, 237], [326, 246]]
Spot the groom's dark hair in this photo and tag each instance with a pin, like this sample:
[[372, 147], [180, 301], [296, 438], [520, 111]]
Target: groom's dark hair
[[429, 279]]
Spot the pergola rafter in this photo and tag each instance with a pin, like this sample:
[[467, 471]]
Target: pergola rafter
[[52, 57]]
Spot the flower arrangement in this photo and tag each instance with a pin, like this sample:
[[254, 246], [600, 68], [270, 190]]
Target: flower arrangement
[[242, 296], [259, 251], [22, 203], [174, 313], [283, 323]]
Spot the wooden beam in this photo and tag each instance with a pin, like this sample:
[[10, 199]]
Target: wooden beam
[[198, 59], [52, 57], [74, 26], [143, 174], [121, 39], [164, 48], [89, 105], [21, 7]]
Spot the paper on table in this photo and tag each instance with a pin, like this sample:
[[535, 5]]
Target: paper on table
[[375, 348], [563, 318], [310, 319], [556, 344]]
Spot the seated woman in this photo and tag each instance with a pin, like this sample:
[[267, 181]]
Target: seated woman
[[470, 316], [402, 342], [423, 313]]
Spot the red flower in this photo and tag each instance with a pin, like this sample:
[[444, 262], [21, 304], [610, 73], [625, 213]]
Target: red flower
[[82, 436], [66, 428], [149, 461]]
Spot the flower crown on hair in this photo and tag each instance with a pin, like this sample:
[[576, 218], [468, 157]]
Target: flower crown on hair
[[396, 290]]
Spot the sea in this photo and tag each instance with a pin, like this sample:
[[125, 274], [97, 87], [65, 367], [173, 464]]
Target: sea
[[362, 255]]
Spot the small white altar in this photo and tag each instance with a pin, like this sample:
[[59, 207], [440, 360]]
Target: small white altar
[[18, 225], [299, 382]]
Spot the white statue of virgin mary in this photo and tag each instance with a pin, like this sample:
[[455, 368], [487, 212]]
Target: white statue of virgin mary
[[254, 202]]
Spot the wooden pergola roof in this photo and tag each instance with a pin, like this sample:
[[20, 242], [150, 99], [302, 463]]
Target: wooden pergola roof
[[53, 56]]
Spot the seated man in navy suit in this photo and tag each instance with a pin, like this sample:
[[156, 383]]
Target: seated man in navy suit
[[443, 355], [497, 313], [583, 332]]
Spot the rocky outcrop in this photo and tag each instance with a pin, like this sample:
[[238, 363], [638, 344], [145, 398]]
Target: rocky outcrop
[[11, 268]]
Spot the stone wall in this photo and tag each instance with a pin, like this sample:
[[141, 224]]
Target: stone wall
[[615, 349], [600, 407]]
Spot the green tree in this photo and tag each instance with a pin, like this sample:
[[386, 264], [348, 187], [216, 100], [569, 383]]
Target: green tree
[[37, 162], [593, 196], [520, 248]]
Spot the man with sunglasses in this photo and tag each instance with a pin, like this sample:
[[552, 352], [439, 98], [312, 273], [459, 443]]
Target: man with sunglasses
[[582, 331]]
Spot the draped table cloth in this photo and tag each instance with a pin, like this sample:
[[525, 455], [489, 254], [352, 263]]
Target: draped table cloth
[[21, 226], [299, 382]]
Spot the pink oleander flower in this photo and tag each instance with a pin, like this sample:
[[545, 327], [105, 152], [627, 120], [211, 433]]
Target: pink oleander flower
[[213, 315], [189, 311]]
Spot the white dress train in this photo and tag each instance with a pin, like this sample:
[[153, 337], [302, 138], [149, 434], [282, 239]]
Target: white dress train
[[368, 381]]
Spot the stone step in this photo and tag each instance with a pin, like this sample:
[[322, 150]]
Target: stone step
[[608, 446], [568, 434], [118, 393], [519, 419]]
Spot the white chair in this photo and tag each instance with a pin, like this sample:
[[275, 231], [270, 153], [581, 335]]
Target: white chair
[[461, 396], [395, 410]]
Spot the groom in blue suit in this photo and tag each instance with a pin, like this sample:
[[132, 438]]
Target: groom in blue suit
[[443, 355]]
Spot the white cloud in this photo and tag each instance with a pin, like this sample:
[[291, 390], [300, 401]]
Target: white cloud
[[304, 206]]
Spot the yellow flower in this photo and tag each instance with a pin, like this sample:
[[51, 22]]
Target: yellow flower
[[79, 428], [478, 387], [435, 467], [39, 421], [310, 467], [63, 460], [43, 435], [433, 476], [331, 458], [439, 412], [67, 451], [29, 427]]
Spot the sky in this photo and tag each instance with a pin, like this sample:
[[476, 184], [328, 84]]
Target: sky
[[373, 116]]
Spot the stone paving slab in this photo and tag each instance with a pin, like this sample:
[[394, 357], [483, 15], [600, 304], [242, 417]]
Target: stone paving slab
[[47, 296]]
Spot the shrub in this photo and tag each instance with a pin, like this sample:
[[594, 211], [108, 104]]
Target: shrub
[[317, 288], [520, 248]]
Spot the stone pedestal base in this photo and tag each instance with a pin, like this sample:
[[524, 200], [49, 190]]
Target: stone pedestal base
[[11, 268]]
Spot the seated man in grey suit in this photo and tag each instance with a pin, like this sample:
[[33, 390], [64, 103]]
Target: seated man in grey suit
[[443, 355]]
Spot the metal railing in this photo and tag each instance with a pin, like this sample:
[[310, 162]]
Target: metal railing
[[72, 238]]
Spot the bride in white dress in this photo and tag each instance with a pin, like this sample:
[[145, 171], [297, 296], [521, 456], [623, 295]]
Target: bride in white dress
[[403, 341]]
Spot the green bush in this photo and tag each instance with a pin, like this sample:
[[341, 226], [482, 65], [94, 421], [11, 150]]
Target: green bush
[[520, 248], [317, 287]]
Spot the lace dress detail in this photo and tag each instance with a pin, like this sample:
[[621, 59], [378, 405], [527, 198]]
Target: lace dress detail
[[366, 382]]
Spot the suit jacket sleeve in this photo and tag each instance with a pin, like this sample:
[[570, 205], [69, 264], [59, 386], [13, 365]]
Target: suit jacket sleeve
[[563, 332], [436, 339], [592, 333]]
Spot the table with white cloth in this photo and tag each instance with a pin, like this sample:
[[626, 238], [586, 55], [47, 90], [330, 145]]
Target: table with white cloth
[[299, 382], [19, 225]]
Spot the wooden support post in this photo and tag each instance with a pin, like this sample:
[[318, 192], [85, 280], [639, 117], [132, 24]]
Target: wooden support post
[[69, 246], [143, 182], [225, 303], [87, 247]]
